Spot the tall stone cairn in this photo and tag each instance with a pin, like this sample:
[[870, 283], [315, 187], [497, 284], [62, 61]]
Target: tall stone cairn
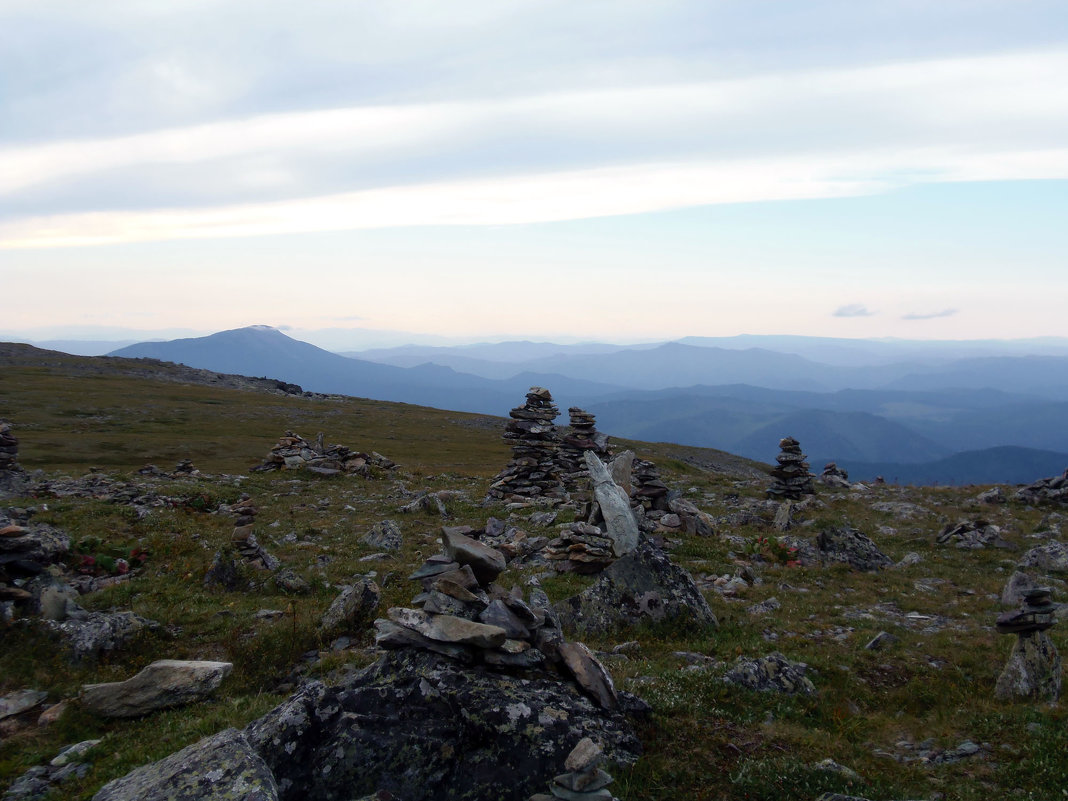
[[533, 471], [1033, 670], [792, 479], [581, 437], [649, 490]]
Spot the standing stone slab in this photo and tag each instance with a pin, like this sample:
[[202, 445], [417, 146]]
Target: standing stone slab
[[220, 768], [165, 683], [1033, 670], [615, 507]]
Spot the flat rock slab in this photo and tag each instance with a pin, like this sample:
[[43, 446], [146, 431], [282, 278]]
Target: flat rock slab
[[619, 518], [449, 628], [20, 701], [486, 562], [223, 767], [166, 683], [643, 586]]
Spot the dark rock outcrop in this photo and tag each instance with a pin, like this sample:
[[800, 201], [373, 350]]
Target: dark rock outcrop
[[846, 544], [643, 586]]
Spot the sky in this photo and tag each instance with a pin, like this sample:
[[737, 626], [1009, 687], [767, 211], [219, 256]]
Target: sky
[[606, 169]]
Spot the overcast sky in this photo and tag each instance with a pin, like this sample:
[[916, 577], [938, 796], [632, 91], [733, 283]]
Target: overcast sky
[[614, 170]]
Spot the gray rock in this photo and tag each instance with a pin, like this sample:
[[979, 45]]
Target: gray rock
[[1012, 594], [589, 673], [486, 562], [883, 639], [20, 701], [619, 519], [223, 767], [424, 727], [385, 534], [448, 628], [621, 468], [100, 632], [642, 586], [354, 605], [1053, 556], [1033, 670], [771, 673], [846, 544], [165, 683], [290, 582]]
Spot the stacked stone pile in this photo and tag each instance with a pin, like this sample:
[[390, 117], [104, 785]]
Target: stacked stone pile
[[244, 541], [649, 490], [972, 534], [585, 780], [1045, 490], [9, 448], [26, 550], [580, 548], [1034, 666], [834, 476], [464, 615], [791, 477], [581, 437], [533, 470], [293, 452]]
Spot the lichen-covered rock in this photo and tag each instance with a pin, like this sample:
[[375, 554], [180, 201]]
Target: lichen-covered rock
[[1053, 556], [164, 683], [385, 534], [846, 544], [355, 604], [223, 767], [424, 728], [619, 520], [92, 634], [1033, 670], [771, 673], [643, 586]]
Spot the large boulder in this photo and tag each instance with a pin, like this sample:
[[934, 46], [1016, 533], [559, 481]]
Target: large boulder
[[619, 519], [1051, 557], [846, 544], [426, 728], [1033, 670], [164, 683], [643, 586], [219, 768]]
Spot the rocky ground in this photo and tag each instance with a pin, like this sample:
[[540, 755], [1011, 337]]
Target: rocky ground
[[843, 642]]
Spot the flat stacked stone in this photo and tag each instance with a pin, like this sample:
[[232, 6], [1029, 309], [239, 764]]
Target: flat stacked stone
[[533, 471], [464, 615], [580, 548], [585, 780], [791, 477], [581, 437], [649, 490], [293, 452], [834, 476], [1034, 667]]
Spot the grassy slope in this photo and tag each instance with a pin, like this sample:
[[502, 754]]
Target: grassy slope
[[706, 741]]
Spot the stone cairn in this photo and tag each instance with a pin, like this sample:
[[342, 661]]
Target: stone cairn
[[580, 548], [293, 452], [581, 437], [1034, 666], [9, 449], [243, 540], [834, 476], [533, 471], [649, 490], [792, 479], [585, 780], [463, 615]]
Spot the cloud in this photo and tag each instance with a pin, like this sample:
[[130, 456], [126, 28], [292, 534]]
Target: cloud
[[929, 315], [853, 310], [352, 318]]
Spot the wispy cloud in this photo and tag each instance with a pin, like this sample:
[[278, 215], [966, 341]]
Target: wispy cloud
[[853, 310], [929, 315]]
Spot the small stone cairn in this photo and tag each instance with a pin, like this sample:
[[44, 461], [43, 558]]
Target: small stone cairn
[[580, 548], [834, 476], [463, 615], [293, 452], [585, 780], [9, 448], [1034, 666], [533, 471], [792, 479], [649, 491], [243, 540], [583, 436]]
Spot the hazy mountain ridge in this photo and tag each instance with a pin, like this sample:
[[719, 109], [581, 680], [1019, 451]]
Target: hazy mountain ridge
[[859, 425]]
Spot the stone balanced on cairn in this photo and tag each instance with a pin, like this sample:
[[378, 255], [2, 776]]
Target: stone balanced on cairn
[[792, 479], [1034, 666], [533, 470]]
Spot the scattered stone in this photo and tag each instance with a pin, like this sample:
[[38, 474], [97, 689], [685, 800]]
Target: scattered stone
[[293, 452], [772, 673], [972, 535], [791, 477], [354, 606], [585, 780], [902, 510], [834, 476], [764, 607], [224, 766], [533, 471], [164, 683], [385, 534], [643, 586], [991, 496], [846, 544], [1045, 491], [909, 559], [881, 641]]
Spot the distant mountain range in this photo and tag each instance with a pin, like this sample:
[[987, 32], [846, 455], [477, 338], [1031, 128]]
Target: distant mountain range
[[946, 417]]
